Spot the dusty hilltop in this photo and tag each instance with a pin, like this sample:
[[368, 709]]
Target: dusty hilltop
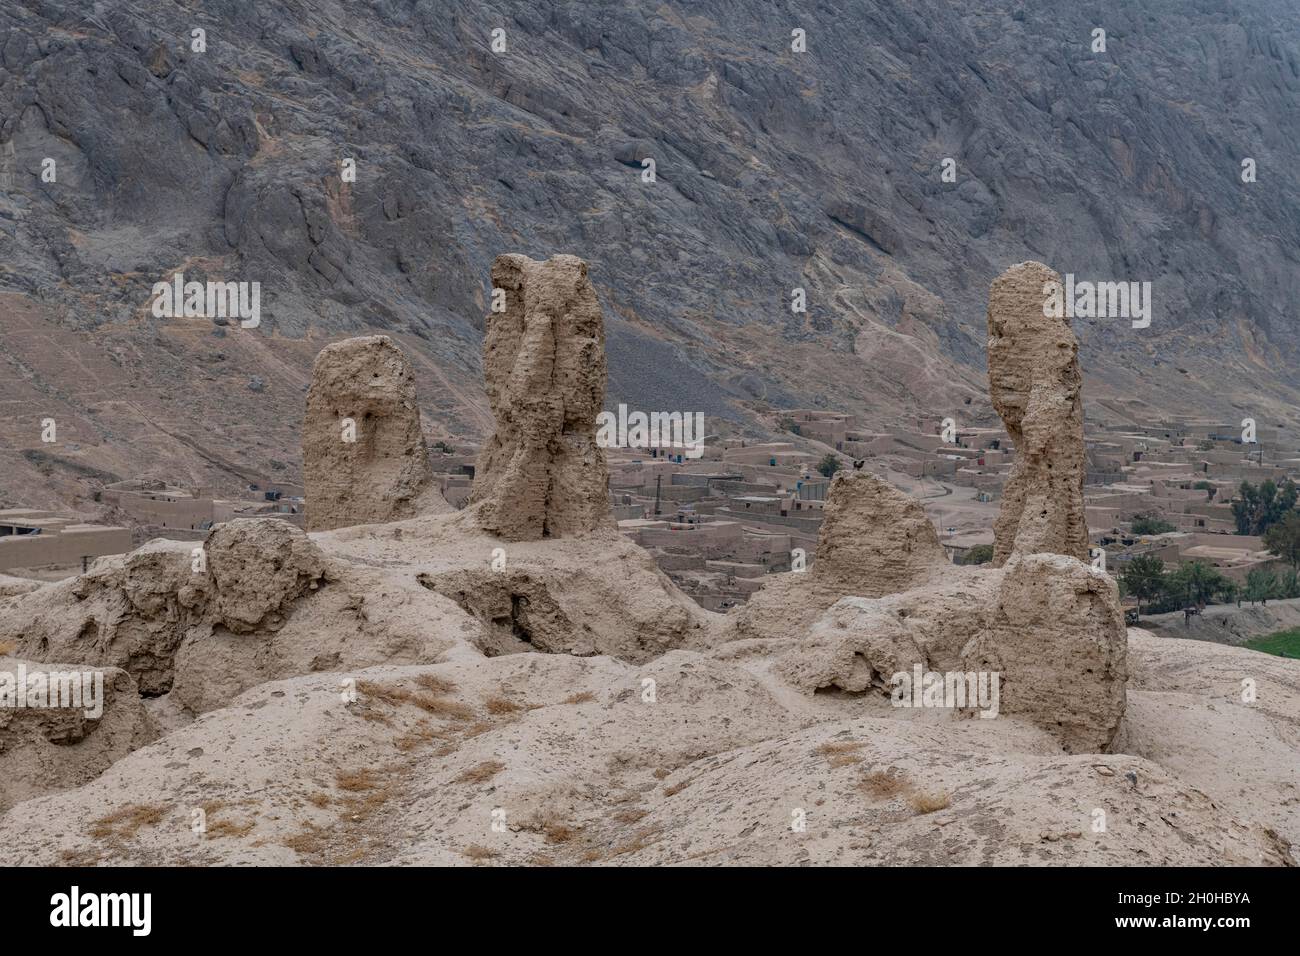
[[518, 683]]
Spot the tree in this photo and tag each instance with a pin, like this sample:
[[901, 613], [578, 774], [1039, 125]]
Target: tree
[[1195, 582], [829, 465], [1288, 584], [1258, 509], [980, 554], [1286, 500], [1149, 524], [1261, 584], [1244, 507], [1143, 577], [1228, 592], [1283, 539]]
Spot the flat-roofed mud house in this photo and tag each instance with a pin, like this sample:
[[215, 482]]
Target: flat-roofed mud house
[[36, 539]]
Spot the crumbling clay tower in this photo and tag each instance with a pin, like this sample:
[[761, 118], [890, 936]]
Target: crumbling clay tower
[[1035, 385], [364, 460], [541, 474]]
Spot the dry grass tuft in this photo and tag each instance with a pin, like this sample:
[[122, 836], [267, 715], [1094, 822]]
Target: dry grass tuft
[[321, 800], [834, 747], [476, 852], [678, 787], [548, 823], [363, 779], [631, 816], [643, 839], [311, 840], [389, 693], [435, 684], [502, 705], [841, 753], [226, 828], [127, 821], [358, 807], [443, 707], [81, 857], [414, 738], [430, 702], [481, 773], [929, 802], [884, 783], [560, 832], [586, 697]]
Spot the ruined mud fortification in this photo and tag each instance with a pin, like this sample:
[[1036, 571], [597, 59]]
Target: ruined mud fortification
[[382, 474], [1050, 626], [541, 474], [1047, 623], [1036, 386], [259, 600], [874, 540], [569, 582], [526, 686]]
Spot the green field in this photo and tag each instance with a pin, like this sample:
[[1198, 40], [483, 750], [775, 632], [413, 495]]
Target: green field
[[1283, 643]]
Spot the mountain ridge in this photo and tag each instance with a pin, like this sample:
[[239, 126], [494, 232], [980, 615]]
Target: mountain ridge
[[774, 170]]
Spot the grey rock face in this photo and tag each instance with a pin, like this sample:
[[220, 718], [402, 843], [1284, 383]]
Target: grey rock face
[[774, 169]]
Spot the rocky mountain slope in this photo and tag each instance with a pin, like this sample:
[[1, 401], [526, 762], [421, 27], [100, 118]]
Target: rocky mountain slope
[[774, 170]]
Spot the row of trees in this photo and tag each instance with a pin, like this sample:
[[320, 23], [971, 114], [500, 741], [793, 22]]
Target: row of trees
[[1196, 583], [1192, 583], [1256, 509]]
